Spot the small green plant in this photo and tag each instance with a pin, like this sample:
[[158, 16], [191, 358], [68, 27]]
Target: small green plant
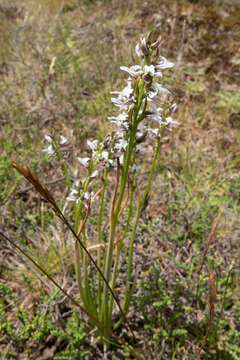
[[28, 332], [75, 335]]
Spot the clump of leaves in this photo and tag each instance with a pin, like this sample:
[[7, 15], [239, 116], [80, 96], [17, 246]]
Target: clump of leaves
[[23, 332]]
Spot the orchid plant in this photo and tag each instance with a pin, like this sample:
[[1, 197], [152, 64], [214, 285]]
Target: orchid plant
[[144, 116]]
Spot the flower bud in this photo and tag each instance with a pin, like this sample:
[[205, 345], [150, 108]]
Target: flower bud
[[142, 49], [155, 45]]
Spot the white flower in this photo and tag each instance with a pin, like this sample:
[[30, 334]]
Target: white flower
[[160, 89], [73, 196], [149, 70], [155, 114], [104, 156], [63, 140], [126, 92], [155, 132], [77, 183], [139, 148], [92, 144], [134, 71], [94, 174], [49, 150], [88, 195], [163, 64], [121, 120], [155, 90], [142, 49], [139, 51], [48, 138], [84, 161], [149, 73], [158, 73], [141, 133], [125, 97], [171, 123], [122, 104], [121, 145], [141, 128], [152, 92]]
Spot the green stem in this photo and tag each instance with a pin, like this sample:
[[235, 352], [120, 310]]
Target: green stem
[[78, 271], [119, 247], [100, 219], [133, 234], [91, 304], [113, 224], [107, 318]]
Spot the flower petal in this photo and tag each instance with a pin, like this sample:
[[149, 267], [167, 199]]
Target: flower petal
[[84, 161]]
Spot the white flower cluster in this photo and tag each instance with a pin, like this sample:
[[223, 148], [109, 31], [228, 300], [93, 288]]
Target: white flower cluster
[[127, 98], [125, 101], [138, 110], [50, 149], [76, 194]]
